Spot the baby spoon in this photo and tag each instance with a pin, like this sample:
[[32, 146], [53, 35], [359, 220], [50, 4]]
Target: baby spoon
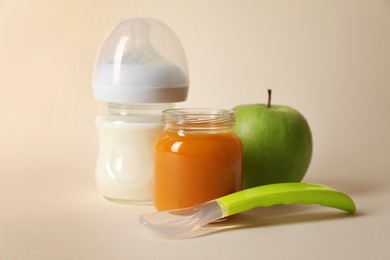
[[177, 221]]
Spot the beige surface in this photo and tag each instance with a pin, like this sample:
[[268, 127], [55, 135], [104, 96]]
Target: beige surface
[[328, 59]]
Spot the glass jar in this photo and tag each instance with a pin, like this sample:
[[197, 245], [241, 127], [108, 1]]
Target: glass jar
[[124, 170], [197, 158]]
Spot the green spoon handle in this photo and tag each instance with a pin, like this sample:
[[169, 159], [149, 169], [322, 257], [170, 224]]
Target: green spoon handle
[[285, 193]]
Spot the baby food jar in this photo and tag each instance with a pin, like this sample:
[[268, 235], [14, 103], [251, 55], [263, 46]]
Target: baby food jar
[[197, 158]]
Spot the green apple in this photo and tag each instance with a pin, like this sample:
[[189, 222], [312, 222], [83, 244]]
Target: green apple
[[277, 143]]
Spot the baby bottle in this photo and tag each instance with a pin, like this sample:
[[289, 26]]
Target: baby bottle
[[141, 70]]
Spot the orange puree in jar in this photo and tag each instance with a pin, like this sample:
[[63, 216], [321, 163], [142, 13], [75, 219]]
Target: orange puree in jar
[[196, 161]]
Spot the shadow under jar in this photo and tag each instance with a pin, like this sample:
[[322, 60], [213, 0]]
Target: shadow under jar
[[197, 158]]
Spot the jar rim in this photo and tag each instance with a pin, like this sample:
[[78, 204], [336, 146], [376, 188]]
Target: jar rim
[[198, 116], [198, 111]]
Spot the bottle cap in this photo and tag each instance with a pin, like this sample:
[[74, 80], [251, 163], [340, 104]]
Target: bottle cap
[[141, 61]]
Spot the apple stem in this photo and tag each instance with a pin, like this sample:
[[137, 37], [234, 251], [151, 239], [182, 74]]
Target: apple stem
[[269, 98]]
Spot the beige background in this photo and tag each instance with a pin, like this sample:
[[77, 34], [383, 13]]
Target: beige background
[[328, 59]]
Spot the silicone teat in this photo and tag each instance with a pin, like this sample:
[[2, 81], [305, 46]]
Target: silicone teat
[[142, 50]]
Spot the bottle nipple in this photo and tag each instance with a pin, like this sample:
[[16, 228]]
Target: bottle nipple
[[142, 50]]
